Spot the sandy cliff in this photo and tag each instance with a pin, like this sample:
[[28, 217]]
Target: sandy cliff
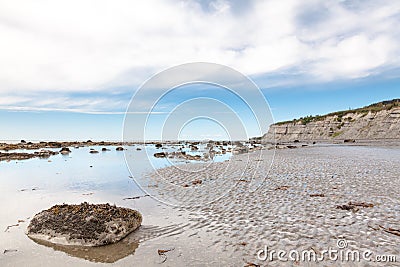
[[377, 121]]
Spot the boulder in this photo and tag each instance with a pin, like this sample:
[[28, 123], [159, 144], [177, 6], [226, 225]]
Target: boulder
[[84, 224], [65, 150], [120, 148]]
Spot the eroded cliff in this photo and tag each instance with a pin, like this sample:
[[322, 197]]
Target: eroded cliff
[[374, 122]]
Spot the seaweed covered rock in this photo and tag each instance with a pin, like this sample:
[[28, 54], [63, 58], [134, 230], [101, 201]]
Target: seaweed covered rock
[[84, 224]]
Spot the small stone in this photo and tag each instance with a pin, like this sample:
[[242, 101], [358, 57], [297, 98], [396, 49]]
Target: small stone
[[65, 151], [160, 155]]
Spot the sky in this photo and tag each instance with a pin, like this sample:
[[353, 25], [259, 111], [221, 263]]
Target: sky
[[69, 69]]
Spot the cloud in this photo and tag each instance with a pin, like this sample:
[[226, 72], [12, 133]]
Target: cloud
[[66, 47]]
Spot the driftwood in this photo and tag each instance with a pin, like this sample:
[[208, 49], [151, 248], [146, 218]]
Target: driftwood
[[317, 195], [13, 225], [137, 197], [391, 230], [283, 187], [161, 252], [354, 206], [9, 250]]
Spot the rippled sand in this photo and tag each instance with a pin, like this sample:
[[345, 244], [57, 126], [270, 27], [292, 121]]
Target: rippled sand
[[239, 207], [281, 214]]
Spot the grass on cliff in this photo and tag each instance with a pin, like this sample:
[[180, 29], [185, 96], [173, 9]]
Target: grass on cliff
[[384, 105]]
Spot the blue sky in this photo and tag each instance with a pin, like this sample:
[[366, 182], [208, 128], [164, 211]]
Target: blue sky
[[69, 69]]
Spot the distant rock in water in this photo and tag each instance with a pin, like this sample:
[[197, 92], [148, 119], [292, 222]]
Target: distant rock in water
[[84, 224], [65, 150], [160, 155], [21, 156], [120, 148]]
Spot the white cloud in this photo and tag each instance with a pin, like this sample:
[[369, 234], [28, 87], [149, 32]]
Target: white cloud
[[86, 46]]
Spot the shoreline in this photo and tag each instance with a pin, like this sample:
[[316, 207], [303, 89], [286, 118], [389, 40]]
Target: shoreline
[[308, 198]]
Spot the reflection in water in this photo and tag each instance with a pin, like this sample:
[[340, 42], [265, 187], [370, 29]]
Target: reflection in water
[[106, 254], [114, 252], [30, 186]]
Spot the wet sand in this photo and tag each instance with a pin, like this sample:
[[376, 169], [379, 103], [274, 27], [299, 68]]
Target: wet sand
[[220, 222], [296, 206]]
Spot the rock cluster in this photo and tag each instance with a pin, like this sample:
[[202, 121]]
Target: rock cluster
[[33, 146], [21, 156]]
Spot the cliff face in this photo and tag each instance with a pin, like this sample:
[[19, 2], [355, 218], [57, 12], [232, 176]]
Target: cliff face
[[378, 121]]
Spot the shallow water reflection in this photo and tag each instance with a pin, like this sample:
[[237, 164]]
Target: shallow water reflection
[[106, 254]]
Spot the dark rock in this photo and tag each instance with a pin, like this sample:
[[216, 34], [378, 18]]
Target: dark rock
[[23, 142], [238, 144], [158, 145], [84, 224], [160, 155], [196, 182], [54, 144], [349, 141], [241, 150], [120, 148], [296, 141], [93, 151], [65, 150]]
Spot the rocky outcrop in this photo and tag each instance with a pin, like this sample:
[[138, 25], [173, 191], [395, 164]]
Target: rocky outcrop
[[376, 122], [84, 225], [33, 146], [22, 155]]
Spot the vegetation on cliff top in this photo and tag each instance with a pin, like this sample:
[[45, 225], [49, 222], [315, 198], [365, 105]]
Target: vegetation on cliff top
[[384, 105]]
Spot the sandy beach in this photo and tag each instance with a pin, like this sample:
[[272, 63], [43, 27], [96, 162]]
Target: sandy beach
[[223, 213], [296, 206]]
